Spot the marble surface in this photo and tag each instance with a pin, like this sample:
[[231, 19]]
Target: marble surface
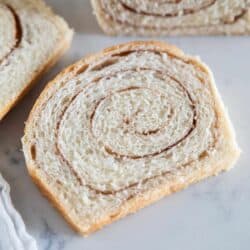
[[213, 214]]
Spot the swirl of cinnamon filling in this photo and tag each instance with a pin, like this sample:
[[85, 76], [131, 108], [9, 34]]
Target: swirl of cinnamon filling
[[125, 119], [10, 36]]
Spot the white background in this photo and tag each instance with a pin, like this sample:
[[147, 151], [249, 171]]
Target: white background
[[213, 214]]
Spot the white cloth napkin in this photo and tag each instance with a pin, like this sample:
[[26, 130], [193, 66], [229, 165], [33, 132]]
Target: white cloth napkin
[[12, 228]]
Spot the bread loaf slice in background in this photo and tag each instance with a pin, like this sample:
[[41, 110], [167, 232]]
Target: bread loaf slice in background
[[123, 128], [154, 18], [32, 38]]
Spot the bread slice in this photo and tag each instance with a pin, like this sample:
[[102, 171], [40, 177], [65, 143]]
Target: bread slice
[[32, 38], [174, 17], [120, 129]]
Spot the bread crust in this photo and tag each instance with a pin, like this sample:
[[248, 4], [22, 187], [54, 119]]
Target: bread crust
[[146, 198]]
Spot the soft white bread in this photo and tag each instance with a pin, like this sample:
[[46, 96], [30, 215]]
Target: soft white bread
[[121, 129], [173, 17], [32, 38]]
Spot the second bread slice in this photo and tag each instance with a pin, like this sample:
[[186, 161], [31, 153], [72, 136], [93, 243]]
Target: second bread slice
[[32, 38], [175, 17]]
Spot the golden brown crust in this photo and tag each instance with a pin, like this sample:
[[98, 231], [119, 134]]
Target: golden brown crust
[[137, 202], [54, 201]]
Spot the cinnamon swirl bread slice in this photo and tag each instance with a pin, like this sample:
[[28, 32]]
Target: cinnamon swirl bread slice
[[32, 38], [173, 17], [121, 129]]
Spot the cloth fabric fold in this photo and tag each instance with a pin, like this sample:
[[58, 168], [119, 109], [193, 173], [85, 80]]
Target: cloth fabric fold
[[12, 227]]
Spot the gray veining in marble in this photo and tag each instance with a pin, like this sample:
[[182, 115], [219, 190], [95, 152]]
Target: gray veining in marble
[[213, 214]]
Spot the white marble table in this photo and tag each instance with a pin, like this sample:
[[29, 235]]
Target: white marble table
[[214, 214]]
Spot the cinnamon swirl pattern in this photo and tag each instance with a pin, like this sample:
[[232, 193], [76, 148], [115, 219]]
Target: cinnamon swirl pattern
[[173, 17], [12, 39], [122, 128], [31, 40]]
